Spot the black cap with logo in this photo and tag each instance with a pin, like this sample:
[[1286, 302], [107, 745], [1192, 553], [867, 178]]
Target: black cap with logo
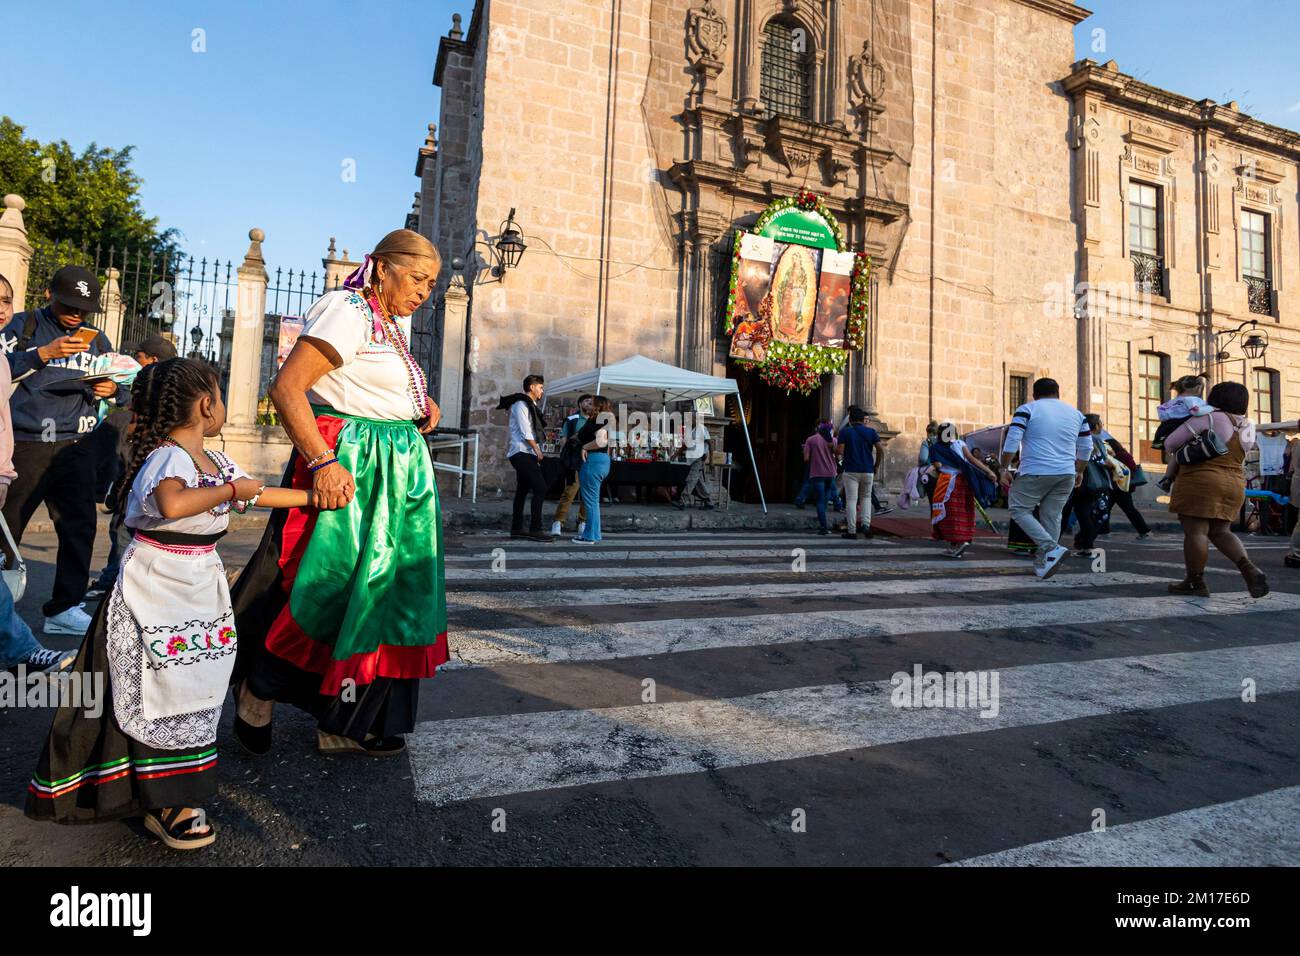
[[77, 288]]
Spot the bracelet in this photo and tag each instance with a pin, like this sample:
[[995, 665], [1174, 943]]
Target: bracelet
[[323, 464], [323, 455], [234, 492]]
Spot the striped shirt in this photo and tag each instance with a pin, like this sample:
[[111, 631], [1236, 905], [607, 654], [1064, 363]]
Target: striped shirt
[[1050, 436]]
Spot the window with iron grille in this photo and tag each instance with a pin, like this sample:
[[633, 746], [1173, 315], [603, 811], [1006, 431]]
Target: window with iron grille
[[786, 68], [1017, 392], [1254, 261], [1145, 247]]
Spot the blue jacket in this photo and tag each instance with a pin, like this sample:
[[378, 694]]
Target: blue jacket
[[43, 410]]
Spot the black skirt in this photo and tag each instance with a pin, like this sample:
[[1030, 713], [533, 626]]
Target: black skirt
[[90, 771], [385, 707]]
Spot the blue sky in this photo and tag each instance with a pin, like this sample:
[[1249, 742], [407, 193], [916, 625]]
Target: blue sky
[[255, 131]]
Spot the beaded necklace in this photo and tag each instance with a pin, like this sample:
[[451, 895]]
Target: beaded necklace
[[225, 474], [396, 338]]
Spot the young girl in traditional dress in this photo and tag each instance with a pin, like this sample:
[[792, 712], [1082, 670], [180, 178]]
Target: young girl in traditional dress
[[164, 640]]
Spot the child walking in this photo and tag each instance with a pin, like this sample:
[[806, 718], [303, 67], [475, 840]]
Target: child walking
[[162, 644], [1188, 402]]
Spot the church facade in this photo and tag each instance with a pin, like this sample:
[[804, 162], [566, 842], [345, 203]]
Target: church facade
[[1002, 191]]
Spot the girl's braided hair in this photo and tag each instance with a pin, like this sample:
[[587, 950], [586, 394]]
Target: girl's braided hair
[[162, 399]]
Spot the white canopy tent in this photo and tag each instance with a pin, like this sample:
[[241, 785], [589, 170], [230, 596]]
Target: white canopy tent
[[643, 378]]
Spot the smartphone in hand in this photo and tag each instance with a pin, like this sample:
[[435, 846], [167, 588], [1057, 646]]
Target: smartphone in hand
[[85, 335]]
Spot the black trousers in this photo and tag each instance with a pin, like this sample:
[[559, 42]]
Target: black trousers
[[60, 474], [529, 479], [1125, 501], [1086, 535]]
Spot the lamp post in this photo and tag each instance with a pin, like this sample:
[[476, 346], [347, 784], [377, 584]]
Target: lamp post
[[196, 339], [1253, 345]]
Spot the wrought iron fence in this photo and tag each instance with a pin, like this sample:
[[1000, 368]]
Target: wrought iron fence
[[192, 303], [167, 293]]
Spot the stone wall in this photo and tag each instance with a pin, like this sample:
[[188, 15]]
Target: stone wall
[[578, 142]]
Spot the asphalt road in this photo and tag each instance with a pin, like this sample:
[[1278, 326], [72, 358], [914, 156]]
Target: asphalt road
[[726, 699]]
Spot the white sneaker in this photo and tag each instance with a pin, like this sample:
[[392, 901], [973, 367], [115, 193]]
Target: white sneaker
[[1051, 561], [583, 541], [72, 621], [582, 526], [555, 528]]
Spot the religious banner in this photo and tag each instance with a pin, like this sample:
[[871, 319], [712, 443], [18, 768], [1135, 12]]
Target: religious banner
[[290, 328], [798, 297], [833, 292]]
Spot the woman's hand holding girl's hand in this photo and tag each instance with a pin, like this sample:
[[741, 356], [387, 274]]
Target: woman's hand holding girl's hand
[[333, 487], [246, 489]]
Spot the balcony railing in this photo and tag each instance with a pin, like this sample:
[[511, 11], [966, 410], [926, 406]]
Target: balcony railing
[[1259, 292], [1148, 273]]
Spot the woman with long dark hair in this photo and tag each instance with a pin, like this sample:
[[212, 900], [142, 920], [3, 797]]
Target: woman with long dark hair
[[1210, 489]]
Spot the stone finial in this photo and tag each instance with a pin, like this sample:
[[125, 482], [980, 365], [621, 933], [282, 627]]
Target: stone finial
[[13, 213], [431, 140], [332, 253], [253, 257], [456, 32], [345, 256]]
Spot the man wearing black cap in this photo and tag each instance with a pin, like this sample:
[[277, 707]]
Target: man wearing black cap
[[113, 433], [53, 413]]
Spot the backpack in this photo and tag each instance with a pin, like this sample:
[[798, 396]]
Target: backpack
[[571, 452]]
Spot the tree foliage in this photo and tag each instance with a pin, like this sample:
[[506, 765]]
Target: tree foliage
[[78, 201]]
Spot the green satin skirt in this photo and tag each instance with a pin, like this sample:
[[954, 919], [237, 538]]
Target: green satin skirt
[[371, 579]]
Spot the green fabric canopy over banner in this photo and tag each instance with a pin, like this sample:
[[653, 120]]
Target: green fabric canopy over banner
[[801, 227]]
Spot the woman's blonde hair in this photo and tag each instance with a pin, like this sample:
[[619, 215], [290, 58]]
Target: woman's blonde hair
[[404, 249]]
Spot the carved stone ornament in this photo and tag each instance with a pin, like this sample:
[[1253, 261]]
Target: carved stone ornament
[[706, 33], [866, 78], [797, 155]]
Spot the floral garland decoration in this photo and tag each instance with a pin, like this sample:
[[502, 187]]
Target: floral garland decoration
[[797, 376], [809, 201], [859, 293], [798, 366], [735, 279]]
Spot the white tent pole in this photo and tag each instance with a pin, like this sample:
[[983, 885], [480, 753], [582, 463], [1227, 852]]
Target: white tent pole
[[740, 403]]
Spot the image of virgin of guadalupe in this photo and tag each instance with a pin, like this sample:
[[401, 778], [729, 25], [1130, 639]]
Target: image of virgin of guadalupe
[[794, 293]]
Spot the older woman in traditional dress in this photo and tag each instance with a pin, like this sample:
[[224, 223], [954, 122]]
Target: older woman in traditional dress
[[341, 611]]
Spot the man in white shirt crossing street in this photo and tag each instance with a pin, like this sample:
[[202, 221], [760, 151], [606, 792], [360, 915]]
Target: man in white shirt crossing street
[[1054, 443]]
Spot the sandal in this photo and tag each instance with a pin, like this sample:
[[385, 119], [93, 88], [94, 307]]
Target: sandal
[[372, 746], [255, 740], [179, 834]]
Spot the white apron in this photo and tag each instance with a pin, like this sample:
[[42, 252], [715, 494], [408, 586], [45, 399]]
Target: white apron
[[171, 643]]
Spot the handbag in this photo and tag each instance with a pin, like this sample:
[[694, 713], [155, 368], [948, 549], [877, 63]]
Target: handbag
[[15, 577], [1096, 478], [1201, 447], [1139, 478]]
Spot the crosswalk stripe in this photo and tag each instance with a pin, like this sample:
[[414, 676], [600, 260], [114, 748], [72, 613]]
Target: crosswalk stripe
[[812, 549], [485, 575], [609, 641], [1254, 831], [505, 598], [650, 540], [476, 757]]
